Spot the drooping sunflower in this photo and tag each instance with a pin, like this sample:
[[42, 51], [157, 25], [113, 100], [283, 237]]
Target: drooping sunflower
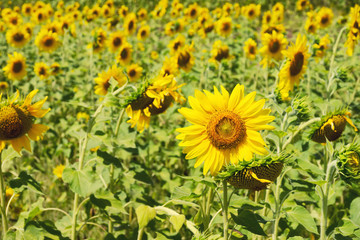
[[273, 45], [219, 52], [15, 68], [17, 37], [250, 49], [47, 41], [143, 33], [152, 99], [225, 128], [349, 163], [134, 72], [130, 23], [176, 44], [324, 17], [331, 126], [17, 122], [115, 40], [295, 67], [124, 55], [103, 79], [185, 58], [224, 26], [42, 70]]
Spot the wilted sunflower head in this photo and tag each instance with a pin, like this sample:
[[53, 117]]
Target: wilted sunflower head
[[349, 163], [331, 126], [255, 175]]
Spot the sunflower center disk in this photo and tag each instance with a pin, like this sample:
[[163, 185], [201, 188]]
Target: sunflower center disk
[[183, 59], [274, 46], [226, 130], [117, 42], [48, 42], [14, 122], [17, 67], [297, 64], [18, 37]]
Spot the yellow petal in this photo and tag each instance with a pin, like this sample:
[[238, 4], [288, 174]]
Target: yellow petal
[[29, 97], [20, 142], [36, 131], [235, 97]]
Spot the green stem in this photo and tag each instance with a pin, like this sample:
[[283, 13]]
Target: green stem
[[5, 225], [334, 51], [225, 210], [140, 234]]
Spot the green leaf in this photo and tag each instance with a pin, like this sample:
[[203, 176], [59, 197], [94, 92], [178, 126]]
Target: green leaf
[[33, 233], [144, 215], [249, 220], [347, 228], [109, 159], [82, 182], [302, 216], [177, 221], [355, 211], [25, 181]]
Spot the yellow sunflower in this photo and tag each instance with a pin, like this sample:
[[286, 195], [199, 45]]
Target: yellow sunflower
[[324, 17], [115, 40], [134, 72], [26, 9], [354, 30], [13, 19], [302, 4], [58, 171], [39, 16], [170, 67], [311, 26], [17, 37], [219, 52], [142, 14], [295, 67], [17, 122], [16, 67], [123, 11], [250, 49], [103, 79], [273, 45], [267, 18], [99, 40], [174, 27], [185, 58], [54, 27], [42, 70], [55, 68], [152, 99], [143, 32], [252, 11], [124, 55], [130, 23], [225, 128], [192, 11], [176, 44], [224, 26], [47, 41], [321, 46], [3, 86]]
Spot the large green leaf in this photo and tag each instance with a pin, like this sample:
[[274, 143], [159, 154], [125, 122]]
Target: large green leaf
[[355, 211], [249, 221], [302, 216]]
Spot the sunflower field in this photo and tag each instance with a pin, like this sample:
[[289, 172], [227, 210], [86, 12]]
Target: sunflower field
[[179, 119]]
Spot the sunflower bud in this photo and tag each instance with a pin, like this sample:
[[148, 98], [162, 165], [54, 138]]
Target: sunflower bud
[[301, 109], [349, 163], [341, 74]]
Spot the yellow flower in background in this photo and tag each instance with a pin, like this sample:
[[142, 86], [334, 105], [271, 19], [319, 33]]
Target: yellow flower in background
[[224, 128], [267, 18], [321, 47], [142, 14], [58, 171], [224, 26], [311, 26], [192, 11], [17, 122], [278, 8], [82, 115], [26, 9], [154, 55], [324, 17], [295, 67], [273, 45], [42, 70], [17, 36], [219, 52], [16, 67], [185, 58], [302, 4], [143, 32], [99, 40], [176, 44], [170, 67], [124, 55], [47, 41], [3, 86], [354, 30], [252, 11], [39, 16], [250, 49], [134, 72], [115, 40], [123, 11], [103, 79], [55, 69], [130, 23], [13, 19]]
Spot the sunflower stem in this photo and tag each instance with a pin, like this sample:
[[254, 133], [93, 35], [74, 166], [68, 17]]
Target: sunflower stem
[[5, 225], [334, 51], [225, 210], [140, 233]]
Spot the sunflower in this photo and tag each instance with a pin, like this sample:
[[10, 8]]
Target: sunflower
[[331, 126], [17, 122], [267, 18], [143, 32], [176, 44], [17, 37], [321, 46], [152, 99], [39, 16], [124, 54], [54, 27], [324, 17], [130, 23], [192, 11], [295, 67], [13, 19], [252, 11], [99, 40], [225, 128], [250, 49], [55, 68], [219, 52], [185, 58], [269, 28], [311, 26], [134, 72], [115, 40], [274, 44], [174, 27], [3, 86], [58, 171], [208, 27], [103, 80], [107, 11], [142, 14], [26, 9], [349, 163], [47, 41], [123, 11], [16, 67], [42, 70], [170, 67], [354, 30], [224, 26], [302, 4], [2, 26], [154, 55]]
